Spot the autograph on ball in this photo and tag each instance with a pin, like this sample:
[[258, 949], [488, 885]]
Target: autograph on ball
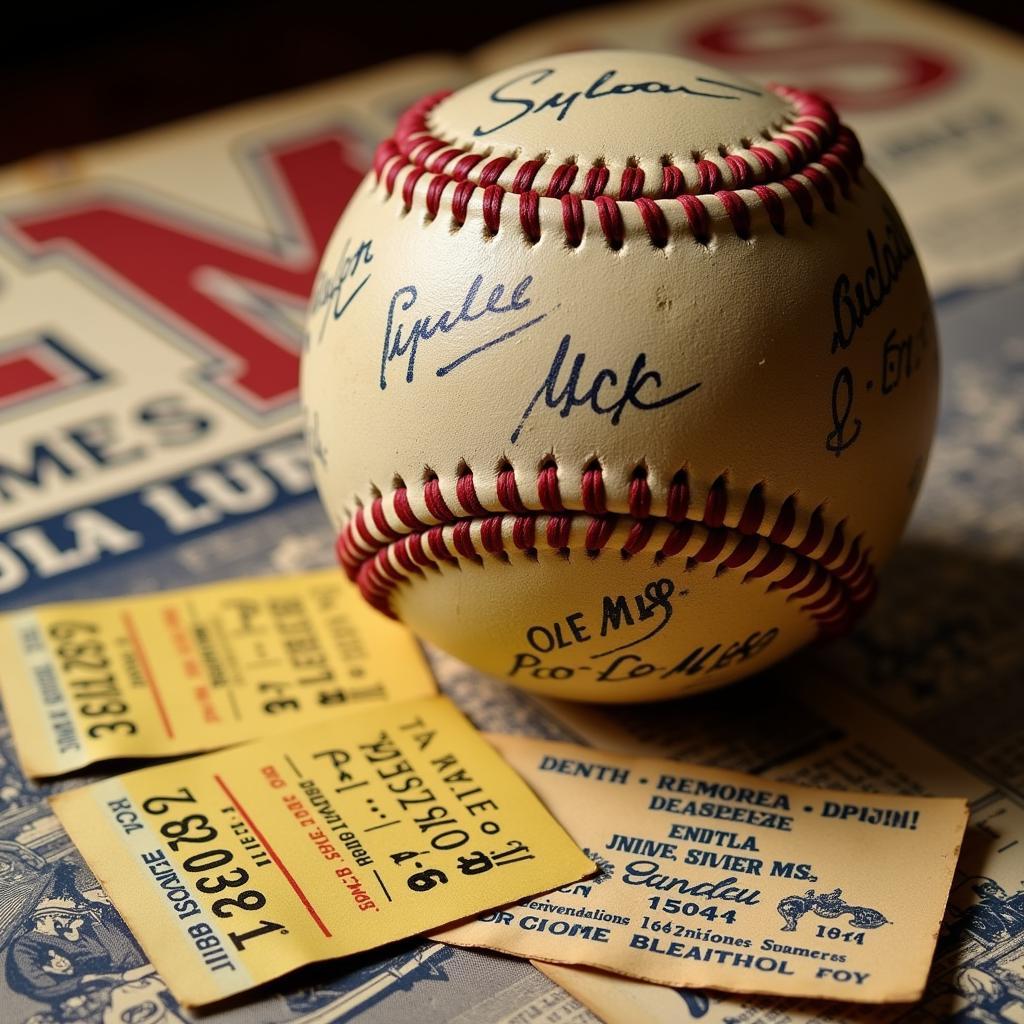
[[569, 383], [602, 87], [573, 392]]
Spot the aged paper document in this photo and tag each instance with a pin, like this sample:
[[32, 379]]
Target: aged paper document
[[189, 670], [719, 879], [239, 866]]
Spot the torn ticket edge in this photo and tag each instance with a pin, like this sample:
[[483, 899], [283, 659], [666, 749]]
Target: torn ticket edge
[[235, 868], [185, 671], [715, 879]]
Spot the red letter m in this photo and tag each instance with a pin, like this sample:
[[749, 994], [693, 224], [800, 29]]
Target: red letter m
[[220, 295]]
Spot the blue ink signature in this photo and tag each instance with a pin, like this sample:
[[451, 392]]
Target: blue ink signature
[[402, 339], [853, 304], [574, 394], [330, 289], [598, 89]]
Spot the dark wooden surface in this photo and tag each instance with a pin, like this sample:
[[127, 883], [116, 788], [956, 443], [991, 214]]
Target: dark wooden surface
[[103, 69]]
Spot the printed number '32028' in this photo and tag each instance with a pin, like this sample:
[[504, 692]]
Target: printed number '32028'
[[196, 829]]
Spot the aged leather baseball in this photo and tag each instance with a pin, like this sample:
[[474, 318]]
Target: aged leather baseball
[[621, 375]]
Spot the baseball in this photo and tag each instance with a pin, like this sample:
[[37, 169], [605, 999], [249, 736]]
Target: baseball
[[621, 375]]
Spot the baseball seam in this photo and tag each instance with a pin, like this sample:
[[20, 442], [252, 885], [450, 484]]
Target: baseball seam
[[407, 533], [801, 132], [391, 542], [816, 159]]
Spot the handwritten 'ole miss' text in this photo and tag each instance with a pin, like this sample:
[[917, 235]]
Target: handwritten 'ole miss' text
[[402, 339], [602, 87], [600, 390]]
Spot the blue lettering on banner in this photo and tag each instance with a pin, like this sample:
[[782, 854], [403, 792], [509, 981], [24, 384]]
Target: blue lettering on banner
[[203, 499], [69, 452]]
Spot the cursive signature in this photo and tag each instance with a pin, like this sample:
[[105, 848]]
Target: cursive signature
[[602, 87], [854, 303], [330, 291], [600, 394], [402, 339]]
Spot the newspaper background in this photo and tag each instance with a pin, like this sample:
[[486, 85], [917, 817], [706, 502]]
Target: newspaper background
[[925, 697]]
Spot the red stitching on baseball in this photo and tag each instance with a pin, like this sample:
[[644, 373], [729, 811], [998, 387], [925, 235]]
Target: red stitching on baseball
[[767, 159], [529, 215], [523, 532], [742, 553], [437, 185], [823, 184], [832, 588], [439, 161], [672, 181], [465, 165], [813, 157], [404, 510], [508, 492], [558, 532], [639, 495], [654, 221], [717, 503], [773, 206], [678, 502], [435, 503], [709, 177], [639, 536], [523, 181], [572, 219], [631, 184], [697, 217], [807, 163], [490, 534], [753, 511], [741, 172], [460, 200], [677, 539], [712, 546], [381, 524], [561, 180], [493, 198], [596, 182], [815, 531], [594, 501], [738, 211], [609, 216], [547, 490], [492, 171], [785, 522], [599, 532]]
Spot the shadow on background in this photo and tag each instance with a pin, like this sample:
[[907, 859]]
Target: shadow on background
[[942, 650], [103, 69]]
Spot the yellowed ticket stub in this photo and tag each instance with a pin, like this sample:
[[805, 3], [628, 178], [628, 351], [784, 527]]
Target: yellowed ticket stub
[[715, 879], [196, 669], [236, 867]]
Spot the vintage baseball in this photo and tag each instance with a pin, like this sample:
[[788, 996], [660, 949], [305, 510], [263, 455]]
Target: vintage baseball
[[621, 375]]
